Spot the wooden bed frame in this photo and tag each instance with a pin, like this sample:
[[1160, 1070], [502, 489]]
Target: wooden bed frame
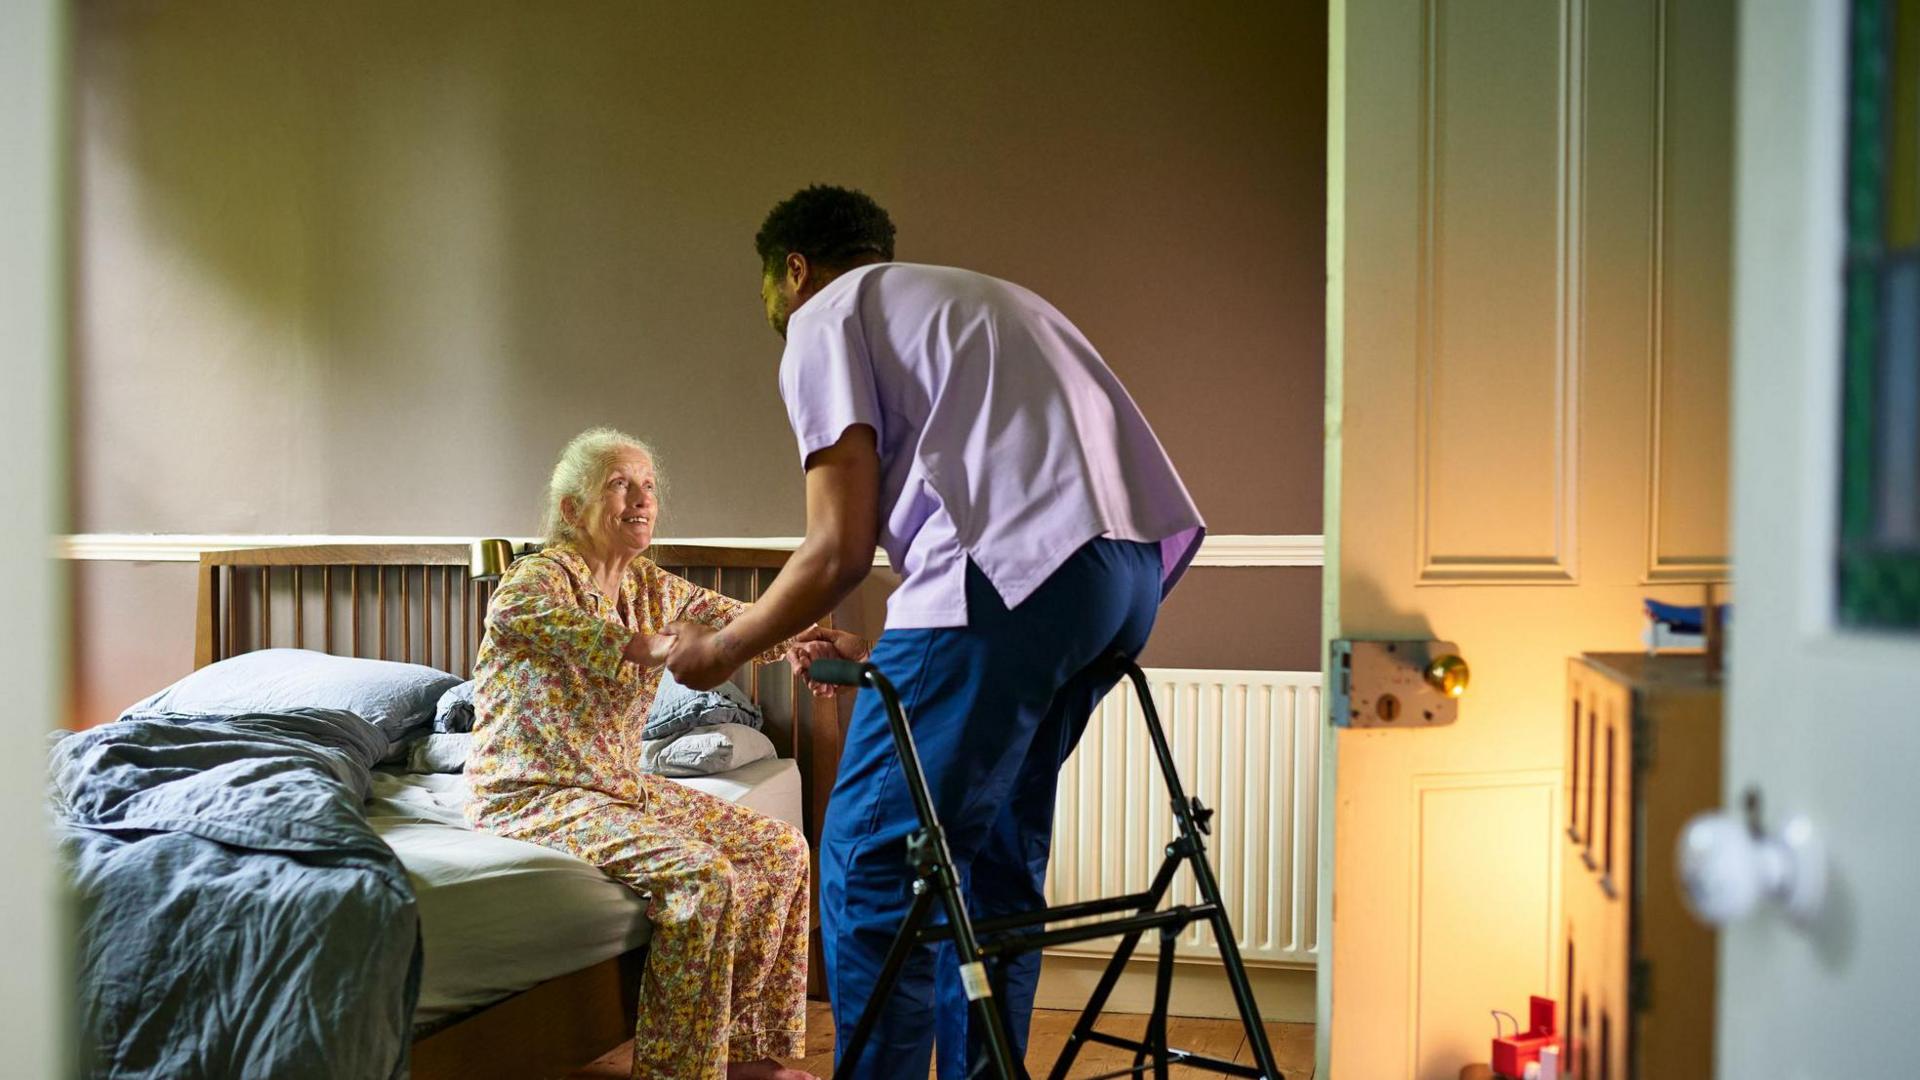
[[417, 603]]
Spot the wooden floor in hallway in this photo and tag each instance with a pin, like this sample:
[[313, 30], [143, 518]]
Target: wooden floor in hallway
[[1224, 1039]]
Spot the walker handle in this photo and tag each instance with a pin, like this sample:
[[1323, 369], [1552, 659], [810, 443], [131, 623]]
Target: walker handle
[[837, 672]]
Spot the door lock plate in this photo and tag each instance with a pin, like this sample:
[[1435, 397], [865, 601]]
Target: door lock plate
[[1396, 684]]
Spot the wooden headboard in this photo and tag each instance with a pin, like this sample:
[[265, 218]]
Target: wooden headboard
[[417, 603]]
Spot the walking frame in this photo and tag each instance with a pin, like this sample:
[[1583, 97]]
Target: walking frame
[[993, 940]]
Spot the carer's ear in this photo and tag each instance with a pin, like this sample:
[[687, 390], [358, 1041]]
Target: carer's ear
[[798, 271]]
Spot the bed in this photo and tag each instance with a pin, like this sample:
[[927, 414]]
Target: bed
[[502, 995]]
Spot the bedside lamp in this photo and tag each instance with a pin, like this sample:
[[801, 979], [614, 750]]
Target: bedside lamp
[[490, 559]]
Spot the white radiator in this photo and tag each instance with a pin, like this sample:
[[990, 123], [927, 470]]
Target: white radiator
[[1248, 744]]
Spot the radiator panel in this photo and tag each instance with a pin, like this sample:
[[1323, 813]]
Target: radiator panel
[[1248, 744]]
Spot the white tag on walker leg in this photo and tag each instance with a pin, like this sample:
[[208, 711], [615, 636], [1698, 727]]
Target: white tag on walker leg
[[974, 977]]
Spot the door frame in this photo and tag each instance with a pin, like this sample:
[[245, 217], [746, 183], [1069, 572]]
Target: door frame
[[34, 188]]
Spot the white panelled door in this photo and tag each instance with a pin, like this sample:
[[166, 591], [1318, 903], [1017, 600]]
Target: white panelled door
[[1527, 320]]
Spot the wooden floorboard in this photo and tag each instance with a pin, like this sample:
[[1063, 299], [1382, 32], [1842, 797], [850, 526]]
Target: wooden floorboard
[[1224, 1039]]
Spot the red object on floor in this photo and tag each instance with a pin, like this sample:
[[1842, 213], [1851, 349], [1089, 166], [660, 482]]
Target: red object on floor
[[1512, 1053]]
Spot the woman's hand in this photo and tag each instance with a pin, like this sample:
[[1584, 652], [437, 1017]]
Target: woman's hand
[[649, 650], [845, 646], [823, 643], [802, 656]]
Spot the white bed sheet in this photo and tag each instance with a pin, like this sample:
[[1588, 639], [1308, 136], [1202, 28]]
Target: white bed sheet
[[497, 915]]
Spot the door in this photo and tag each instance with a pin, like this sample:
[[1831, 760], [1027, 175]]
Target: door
[[1824, 711], [34, 988], [1527, 348]]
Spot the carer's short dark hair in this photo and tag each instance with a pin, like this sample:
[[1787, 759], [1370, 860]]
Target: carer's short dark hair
[[831, 226]]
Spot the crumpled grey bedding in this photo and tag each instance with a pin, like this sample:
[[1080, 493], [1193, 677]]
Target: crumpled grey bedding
[[454, 712], [238, 917], [676, 709]]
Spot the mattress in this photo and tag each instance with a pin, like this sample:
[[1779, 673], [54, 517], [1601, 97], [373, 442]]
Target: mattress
[[497, 915]]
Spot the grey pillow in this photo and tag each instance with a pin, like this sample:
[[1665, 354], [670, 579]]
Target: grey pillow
[[394, 697], [676, 709], [455, 711], [703, 751]]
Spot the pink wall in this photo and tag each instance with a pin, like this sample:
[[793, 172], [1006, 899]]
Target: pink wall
[[363, 267]]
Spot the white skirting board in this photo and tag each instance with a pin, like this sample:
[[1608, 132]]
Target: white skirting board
[[1199, 989]]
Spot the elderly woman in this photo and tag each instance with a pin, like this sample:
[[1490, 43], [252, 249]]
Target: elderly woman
[[575, 638]]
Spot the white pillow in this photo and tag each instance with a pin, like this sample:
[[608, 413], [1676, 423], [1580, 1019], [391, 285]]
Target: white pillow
[[439, 752], [703, 751]]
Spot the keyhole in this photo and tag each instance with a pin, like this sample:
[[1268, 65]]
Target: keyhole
[[1388, 707]]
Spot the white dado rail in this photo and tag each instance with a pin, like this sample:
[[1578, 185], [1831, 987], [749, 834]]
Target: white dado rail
[[1226, 550]]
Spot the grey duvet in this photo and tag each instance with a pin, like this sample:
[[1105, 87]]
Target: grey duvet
[[237, 916]]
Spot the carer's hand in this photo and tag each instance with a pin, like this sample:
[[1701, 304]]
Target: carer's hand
[[819, 642], [698, 658]]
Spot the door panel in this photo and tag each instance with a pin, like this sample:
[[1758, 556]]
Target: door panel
[[1491, 225], [1497, 831], [1500, 173], [1689, 437]]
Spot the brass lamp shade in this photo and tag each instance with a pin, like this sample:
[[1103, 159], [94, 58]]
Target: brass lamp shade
[[490, 559]]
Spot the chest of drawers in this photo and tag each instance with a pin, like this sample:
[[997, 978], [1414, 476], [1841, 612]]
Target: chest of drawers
[[1643, 755]]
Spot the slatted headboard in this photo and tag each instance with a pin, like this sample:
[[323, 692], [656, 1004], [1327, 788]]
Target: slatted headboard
[[417, 603]]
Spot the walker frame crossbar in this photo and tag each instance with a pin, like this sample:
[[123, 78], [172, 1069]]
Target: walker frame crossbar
[[981, 945]]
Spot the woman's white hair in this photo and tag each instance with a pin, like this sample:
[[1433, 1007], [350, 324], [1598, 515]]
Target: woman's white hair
[[582, 471]]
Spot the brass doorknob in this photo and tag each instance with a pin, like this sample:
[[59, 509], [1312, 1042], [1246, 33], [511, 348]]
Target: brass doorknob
[[1449, 674]]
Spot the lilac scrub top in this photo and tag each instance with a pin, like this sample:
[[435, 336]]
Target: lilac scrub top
[[1003, 436]]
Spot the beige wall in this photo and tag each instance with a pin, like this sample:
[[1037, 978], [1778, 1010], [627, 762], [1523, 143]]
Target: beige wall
[[362, 267]]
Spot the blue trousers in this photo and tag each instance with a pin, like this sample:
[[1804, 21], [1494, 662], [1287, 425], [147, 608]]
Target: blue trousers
[[996, 707]]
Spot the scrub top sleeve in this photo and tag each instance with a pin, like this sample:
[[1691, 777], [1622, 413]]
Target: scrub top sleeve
[[826, 378]]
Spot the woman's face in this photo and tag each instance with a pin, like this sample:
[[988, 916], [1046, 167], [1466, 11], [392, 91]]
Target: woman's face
[[619, 521]]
